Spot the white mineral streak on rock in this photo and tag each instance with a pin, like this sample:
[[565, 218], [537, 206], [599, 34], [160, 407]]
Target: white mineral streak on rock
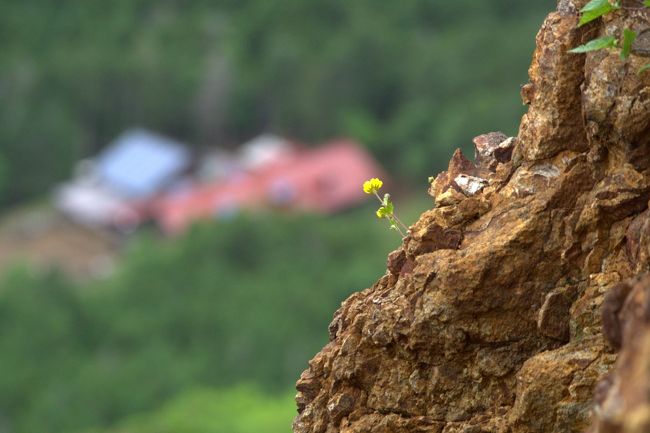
[[548, 171], [470, 185], [507, 143]]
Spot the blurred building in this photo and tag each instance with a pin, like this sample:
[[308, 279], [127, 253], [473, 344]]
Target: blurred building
[[278, 176], [114, 188], [140, 164], [143, 176]]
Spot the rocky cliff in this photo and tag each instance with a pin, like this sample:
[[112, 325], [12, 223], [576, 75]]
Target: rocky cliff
[[518, 303]]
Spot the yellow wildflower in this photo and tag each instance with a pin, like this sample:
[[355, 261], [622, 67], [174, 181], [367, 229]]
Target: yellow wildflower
[[372, 186]]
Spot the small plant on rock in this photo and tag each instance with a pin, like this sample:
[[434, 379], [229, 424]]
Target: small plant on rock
[[387, 209], [598, 8]]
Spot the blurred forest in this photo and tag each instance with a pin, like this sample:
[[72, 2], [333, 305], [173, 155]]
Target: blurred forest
[[230, 303], [412, 79], [208, 332]]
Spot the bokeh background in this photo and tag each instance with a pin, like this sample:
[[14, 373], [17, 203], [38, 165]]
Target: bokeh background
[[206, 331]]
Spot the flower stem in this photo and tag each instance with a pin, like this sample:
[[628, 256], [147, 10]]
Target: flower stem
[[393, 218], [400, 222], [396, 226]]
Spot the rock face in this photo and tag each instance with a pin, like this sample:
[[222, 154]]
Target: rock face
[[490, 315], [622, 398]]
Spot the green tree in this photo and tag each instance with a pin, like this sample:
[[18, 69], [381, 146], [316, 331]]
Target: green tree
[[413, 79]]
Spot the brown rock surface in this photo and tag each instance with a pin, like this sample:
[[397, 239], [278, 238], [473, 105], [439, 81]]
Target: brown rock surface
[[488, 318], [623, 396]]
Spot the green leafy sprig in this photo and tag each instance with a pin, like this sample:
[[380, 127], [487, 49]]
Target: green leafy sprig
[[629, 37], [596, 44], [596, 9]]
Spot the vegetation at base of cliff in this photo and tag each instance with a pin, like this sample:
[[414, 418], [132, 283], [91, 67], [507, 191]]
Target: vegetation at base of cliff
[[413, 79], [238, 410], [239, 301]]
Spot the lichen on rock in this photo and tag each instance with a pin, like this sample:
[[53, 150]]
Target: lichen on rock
[[490, 315]]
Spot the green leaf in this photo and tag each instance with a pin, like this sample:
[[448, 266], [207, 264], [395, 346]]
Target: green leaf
[[389, 208], [596, 44], [596, 9], [646, 3], [628, 38], [645, 67]]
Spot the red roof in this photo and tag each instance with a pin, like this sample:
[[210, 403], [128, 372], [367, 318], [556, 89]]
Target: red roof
[[327, 179]]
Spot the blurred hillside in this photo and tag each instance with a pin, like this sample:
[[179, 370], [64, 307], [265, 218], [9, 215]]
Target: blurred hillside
[[411, 79], [241, 302]]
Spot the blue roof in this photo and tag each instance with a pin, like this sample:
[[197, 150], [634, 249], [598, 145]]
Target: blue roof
[[139, 163]]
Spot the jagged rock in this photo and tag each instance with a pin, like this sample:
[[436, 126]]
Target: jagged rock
[[611, 309], [449, 198], [396, 261], [503, 308], [553, 319], [641, 45], [458, 165], [527, 93], [470, 185], [493, 148], [554, 389], [623, 396], [469, 178], [553, 122]]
